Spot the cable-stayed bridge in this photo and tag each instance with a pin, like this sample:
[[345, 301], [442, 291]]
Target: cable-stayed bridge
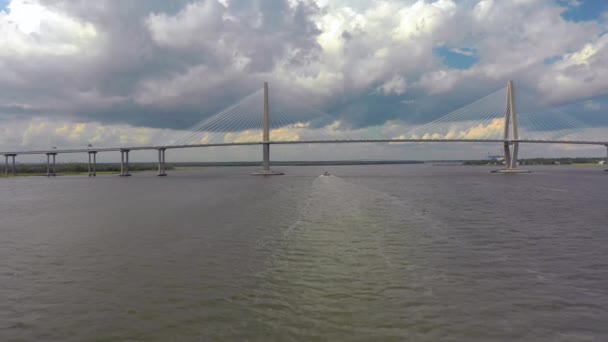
[[259, 119]]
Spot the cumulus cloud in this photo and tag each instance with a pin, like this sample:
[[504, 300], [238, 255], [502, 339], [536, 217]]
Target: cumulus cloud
[[463, 52], [198, 23], [579, 74], [491, 129], [278, 134], [479, 131], [29, 29], [592, 106], [44, 133], [574, 3], [397, 85], [440, 81]]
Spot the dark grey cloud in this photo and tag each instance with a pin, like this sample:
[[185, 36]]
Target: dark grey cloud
[[169, 64], [127, 55]]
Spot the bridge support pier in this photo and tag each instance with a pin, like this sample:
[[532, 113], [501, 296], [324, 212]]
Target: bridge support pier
[[507, 153], [124, 163], [511, 133], [606, 157], [93, 165], [266, 139], [6, 164], [50, 168], [266, 157], [161, 162]]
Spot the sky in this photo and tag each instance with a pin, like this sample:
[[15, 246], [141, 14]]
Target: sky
[[110, 73]]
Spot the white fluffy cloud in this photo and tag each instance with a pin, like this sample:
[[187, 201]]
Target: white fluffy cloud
[[389, 43], [43, 133], [591, 105], [579, 74], [30, 29], [397, 85]]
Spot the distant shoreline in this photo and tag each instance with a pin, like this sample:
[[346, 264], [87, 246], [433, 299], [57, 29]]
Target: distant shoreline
[[61, 169], [590, 161], [297, 163], [65, 169], [39, 169]]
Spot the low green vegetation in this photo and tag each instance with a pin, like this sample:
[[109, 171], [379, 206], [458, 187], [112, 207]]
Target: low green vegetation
[[80, 168], [592, 161], [295, 163]]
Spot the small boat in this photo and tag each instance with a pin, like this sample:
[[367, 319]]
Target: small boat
[[325, 174]]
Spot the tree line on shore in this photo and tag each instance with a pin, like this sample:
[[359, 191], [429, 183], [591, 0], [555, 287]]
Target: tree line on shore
[[83, 167], [541, 161]]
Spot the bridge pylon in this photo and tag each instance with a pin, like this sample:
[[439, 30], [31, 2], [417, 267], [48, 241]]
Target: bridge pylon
[[511, 134], [266, 139]]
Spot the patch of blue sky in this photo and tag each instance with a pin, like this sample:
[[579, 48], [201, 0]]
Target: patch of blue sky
[[552, 60], [457, 58], [4, 5], [584, 10]]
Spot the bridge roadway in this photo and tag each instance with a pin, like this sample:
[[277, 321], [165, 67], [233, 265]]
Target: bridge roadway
[[167, 147], [510, 139], [124, 151]]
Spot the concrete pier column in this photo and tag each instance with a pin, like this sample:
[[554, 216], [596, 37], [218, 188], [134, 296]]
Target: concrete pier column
[[266, 138], [124, 163], [161, 162], [507, 150], [14, 168], [606, 157], [514, 155], [11, 165], [511, 134], [92, 163], [54, 164], [514, 126], [48, 165], [266, 155], [266, 133], [127, 162]]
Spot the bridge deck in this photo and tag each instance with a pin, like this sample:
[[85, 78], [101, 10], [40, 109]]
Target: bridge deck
[[143, 148]]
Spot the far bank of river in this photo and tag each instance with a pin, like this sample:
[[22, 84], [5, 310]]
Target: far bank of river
[[70, 169]]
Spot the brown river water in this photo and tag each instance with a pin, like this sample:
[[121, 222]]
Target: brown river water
[[389, 253]]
